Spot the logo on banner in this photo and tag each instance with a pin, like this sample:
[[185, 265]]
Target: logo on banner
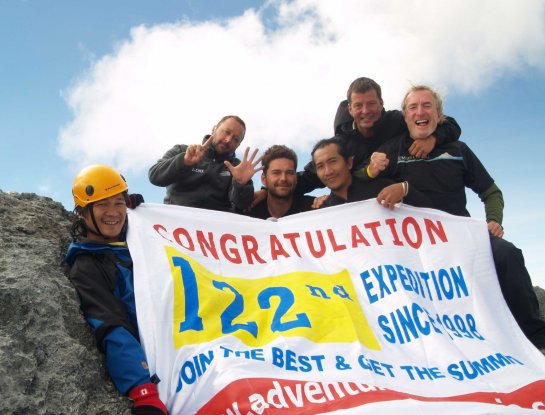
[[323, 308]]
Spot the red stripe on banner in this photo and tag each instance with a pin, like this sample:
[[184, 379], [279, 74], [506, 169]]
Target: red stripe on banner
[[283, 397]]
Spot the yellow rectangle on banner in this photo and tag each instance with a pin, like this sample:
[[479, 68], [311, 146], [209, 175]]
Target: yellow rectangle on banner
[[322, 308]]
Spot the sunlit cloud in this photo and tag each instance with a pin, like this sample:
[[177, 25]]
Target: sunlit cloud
[[284, 68]]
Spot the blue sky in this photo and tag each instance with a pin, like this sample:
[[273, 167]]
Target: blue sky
[[120, 82]]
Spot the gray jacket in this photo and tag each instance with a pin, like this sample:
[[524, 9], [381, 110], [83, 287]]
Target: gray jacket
[[208, 184]]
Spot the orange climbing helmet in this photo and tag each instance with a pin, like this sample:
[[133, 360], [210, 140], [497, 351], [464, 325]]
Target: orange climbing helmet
[[97, 182]]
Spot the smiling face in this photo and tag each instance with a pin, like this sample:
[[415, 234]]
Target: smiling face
[[366, 109], [332, 168], [280, 178], [227, 136], [421, 113], [110, 216]]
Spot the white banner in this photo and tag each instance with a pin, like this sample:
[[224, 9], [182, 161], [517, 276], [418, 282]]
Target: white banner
[[354, 309]]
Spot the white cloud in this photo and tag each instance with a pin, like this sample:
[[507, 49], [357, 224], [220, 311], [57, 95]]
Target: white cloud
[[169, 83]]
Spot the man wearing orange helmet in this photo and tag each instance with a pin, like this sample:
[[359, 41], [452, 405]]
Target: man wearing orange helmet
[[101, 271]]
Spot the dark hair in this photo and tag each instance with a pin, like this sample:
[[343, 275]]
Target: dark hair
[[278, 152], [361, 85], [236, 118], [333, 140], [79, 229]]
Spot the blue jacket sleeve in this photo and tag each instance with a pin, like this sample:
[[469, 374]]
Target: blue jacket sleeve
[[94, 277]]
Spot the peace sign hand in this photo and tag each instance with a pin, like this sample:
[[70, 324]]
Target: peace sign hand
[[245, 170], [195, 152]]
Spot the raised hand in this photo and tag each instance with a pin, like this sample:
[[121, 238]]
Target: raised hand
[[195, 152], [245, 170], [378, 163]]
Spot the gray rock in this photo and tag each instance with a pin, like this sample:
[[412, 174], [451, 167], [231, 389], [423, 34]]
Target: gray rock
[[49, 364], [48, 360]]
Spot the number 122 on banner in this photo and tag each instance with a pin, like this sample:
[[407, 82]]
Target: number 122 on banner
[[321, 307]]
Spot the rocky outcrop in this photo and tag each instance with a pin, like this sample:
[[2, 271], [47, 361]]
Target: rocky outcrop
[[48, 360]]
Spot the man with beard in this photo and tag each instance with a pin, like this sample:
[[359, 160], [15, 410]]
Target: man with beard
[[279, 177], [209, 175]]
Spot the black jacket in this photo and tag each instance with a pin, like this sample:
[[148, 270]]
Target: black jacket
[[363, 190], [390, 124], [301, 203]]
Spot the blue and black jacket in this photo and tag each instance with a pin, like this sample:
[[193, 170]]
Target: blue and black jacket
[[103, 277]]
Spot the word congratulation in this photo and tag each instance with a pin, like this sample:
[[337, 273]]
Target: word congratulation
[[245, 249]]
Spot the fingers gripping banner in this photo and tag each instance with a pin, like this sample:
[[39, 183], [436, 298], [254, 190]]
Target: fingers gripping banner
[[354, 309]]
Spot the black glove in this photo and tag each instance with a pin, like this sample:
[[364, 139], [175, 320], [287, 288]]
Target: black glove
[[134, 200], [147, 410]]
